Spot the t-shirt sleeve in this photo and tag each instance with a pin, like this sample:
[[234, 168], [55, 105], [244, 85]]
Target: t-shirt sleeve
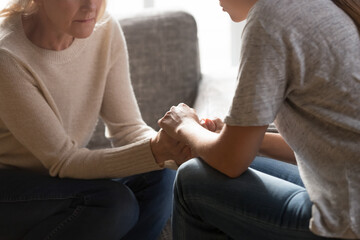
[[261, 78]]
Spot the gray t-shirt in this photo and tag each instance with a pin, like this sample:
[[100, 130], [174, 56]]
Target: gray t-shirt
[[300, 66]]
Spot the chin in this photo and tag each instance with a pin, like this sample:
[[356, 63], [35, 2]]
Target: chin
[[83, 34], [236, 18]]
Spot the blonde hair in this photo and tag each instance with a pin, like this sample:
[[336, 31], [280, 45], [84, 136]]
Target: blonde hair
[[28, 7], [352, 8]]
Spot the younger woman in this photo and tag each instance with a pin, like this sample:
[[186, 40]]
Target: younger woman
[[300, 66]]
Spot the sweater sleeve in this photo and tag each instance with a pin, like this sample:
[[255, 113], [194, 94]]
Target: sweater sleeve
[[120, 110], [30, 119]]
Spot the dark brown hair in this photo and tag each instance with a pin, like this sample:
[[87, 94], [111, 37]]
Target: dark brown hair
[[352, 8]]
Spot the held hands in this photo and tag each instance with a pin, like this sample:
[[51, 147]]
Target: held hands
[[213, 125], [177, 118], [179, 123], [166, 148], [182, 116]]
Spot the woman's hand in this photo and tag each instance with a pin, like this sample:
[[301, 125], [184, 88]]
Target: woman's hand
[[166, 148], [177, 119], [213, 125]]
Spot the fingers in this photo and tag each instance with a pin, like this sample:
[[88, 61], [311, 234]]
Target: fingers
[[219, 123], [210, 124], [214, 125], [177, 117], [184, 155], [203, 124]]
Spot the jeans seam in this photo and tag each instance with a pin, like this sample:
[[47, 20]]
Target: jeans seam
[[35, 199], [267, 224], [287, 203], [260, 222], [75, 214]]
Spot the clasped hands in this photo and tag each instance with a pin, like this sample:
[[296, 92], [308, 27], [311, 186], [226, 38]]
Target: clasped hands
[[171, 143]]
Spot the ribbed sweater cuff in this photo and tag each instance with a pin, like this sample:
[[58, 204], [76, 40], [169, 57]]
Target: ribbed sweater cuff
[[129, 160]]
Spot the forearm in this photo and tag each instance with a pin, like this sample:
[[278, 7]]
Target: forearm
[[231, 151], [274, 146], [201, 141], [119, 109]]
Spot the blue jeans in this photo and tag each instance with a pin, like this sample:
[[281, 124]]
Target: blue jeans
[[35, 207], [266, 202]]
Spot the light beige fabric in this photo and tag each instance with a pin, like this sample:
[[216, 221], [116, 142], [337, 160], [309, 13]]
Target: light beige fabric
[[50, 102]]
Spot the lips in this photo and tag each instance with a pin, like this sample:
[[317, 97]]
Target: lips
[[85, 20], [222, 6]]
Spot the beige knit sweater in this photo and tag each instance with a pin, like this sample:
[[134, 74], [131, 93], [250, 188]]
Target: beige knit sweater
[[50, 102]]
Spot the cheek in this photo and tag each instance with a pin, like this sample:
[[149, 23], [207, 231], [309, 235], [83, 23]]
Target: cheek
[[100, 3], [61, 13]]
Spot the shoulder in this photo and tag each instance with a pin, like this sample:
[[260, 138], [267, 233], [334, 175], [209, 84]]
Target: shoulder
[[9, 37], [293, 9], [298, 16], [307, 25], [9, 30], [109, 35], [108, 26]]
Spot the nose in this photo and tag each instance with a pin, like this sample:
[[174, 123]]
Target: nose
[[89, 5]]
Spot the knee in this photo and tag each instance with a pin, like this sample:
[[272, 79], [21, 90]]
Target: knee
[[194, 171], [114, 207], [124, 204], [161, 182], [161, 185], [192, 176]]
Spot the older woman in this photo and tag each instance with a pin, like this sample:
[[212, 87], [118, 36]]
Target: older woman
[[62, 64], [300, 66]]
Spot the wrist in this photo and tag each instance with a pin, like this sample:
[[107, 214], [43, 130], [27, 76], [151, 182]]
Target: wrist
[[187, 132], [154, 145]]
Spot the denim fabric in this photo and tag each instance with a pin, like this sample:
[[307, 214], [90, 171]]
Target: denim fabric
[[268, 203], [35, 207]]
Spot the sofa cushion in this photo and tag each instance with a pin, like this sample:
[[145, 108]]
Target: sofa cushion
[[164, 64], [164, 61]]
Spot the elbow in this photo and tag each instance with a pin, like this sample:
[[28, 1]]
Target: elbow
[[231, 173], [231, 167]]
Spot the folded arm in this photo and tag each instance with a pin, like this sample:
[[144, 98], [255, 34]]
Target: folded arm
[[231, 151], [273, 145]]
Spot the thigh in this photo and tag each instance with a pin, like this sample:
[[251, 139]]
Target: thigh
[[153, 188], [286, 171], [253, 206], [35, 206], [154, 191]]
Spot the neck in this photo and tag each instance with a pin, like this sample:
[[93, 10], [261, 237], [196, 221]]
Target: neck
[[42, 35]]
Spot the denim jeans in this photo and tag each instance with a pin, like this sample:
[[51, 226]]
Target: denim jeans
[[35, 207], [266, 202]]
